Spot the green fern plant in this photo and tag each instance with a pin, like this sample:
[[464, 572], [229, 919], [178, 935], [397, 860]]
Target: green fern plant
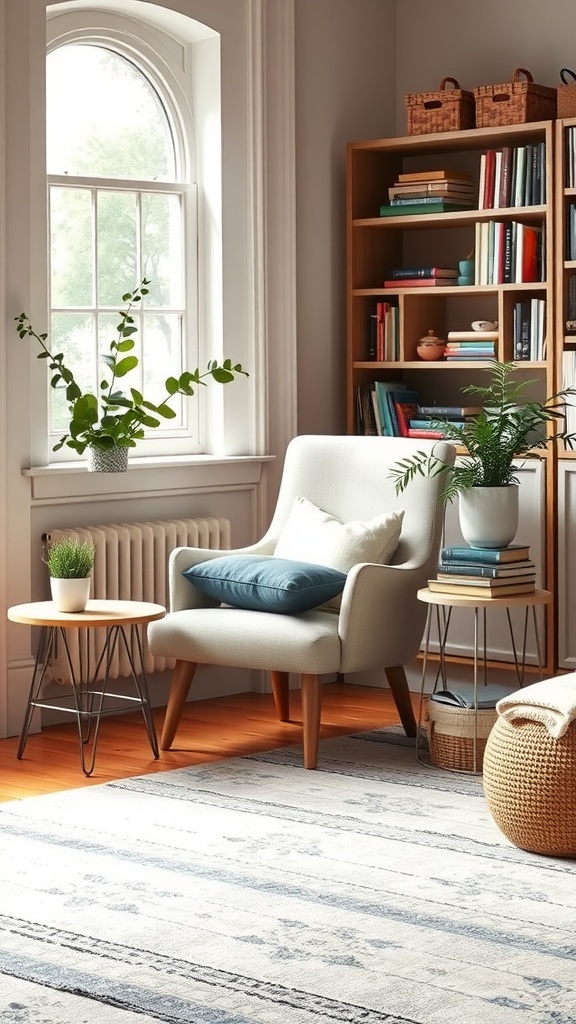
[[509, 426], [70, 558]]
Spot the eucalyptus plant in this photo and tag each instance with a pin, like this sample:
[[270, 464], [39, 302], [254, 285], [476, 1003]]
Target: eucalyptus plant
[[70, 558], [508, 426], [116, 418]]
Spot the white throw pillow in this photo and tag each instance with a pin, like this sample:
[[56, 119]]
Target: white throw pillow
[[312, 535]]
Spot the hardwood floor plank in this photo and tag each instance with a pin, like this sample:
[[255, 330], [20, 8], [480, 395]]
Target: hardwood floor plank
[[209, 730]]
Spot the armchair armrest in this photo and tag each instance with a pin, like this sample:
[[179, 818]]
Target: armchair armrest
[[381, 620]]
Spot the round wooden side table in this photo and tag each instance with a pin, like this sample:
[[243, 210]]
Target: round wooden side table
[[115, 617]]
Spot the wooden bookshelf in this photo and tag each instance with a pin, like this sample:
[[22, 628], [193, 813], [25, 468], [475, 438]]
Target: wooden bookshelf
[[376, 245]]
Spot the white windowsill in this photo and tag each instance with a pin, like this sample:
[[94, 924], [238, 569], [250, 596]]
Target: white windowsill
[[179, 474]]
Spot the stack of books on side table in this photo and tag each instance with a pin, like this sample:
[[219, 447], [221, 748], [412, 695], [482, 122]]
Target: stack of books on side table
[[485, 572]]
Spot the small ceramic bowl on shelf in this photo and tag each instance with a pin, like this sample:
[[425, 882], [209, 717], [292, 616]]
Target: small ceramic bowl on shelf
[[430, 347]]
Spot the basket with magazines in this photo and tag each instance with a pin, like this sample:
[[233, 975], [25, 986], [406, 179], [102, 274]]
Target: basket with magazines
[[446, 110], [457, 735], [566, 94], [515, 102]]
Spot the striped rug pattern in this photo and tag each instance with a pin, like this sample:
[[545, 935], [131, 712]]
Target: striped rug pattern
[[250, 891]]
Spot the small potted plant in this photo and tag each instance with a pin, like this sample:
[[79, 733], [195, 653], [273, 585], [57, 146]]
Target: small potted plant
[[509, 426], [70, 562], [111, 423]]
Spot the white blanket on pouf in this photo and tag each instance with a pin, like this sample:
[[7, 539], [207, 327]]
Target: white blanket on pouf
[[552, 702]]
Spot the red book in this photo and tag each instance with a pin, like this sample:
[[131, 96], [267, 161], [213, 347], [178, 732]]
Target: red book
[[488, 203], [433, 435], [421, 282], [530, 254], [406, 407]]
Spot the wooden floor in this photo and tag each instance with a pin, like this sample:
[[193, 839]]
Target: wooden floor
[[209, 730]]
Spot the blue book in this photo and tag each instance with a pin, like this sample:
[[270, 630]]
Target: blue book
[[493, 572], [491, 556], [382, 389]]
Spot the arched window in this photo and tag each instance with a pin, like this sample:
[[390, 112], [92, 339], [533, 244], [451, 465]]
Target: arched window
[[122, 207]]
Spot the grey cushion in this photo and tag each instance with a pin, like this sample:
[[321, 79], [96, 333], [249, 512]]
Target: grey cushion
[[266, 583]]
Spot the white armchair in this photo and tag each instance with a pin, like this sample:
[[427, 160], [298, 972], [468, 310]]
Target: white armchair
[[380, 622]]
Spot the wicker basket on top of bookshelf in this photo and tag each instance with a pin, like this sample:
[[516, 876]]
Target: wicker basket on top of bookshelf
[[566, 94], [447, 110], [515, 102]]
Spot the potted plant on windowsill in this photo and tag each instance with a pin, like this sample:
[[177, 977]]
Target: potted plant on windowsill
[[70, 563], [111, 423], [485, 480]]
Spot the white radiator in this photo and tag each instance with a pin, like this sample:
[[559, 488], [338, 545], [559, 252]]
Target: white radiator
[[131, 564]]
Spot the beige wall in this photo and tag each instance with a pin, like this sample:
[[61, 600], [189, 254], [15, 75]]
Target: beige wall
[[345, 72], [480, 44]]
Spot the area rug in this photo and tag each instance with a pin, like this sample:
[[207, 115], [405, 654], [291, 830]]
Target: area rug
[[251, 891]]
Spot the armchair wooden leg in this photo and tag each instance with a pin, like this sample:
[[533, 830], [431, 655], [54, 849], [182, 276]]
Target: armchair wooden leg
[[398, 684], [311, 708], [281, 695], [181, 679]]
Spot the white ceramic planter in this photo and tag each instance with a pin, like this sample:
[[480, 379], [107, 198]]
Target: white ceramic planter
[[70, 595], [489, 516]]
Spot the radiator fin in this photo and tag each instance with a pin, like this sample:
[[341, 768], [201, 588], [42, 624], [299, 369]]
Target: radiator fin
[[131, 564]]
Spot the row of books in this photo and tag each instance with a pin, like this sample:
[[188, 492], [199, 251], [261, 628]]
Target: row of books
[[485, 572], [529, 327], [384, 332], [512, 176], [509, 253], [391, 409]]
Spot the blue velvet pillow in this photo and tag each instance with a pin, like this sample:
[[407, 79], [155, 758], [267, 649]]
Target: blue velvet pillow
[[264, 583]]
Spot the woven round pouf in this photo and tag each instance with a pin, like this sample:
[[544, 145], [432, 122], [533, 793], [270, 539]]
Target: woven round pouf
[[530, 786]]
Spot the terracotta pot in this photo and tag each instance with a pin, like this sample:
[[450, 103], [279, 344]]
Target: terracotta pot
[[430, 347]]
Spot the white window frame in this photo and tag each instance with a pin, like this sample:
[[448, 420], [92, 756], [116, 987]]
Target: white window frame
[[153, 53]]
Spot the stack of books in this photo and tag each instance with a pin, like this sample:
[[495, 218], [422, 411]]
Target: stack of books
[[439, 191], [463, 345], [485, 572], [422, 277], [427, 421]]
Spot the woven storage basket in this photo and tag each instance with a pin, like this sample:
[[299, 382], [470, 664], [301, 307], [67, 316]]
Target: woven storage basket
[[530, 786], [566, 94], [447, 110], [515, 102], [451, 735]]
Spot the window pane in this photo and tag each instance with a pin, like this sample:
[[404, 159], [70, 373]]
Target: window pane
[[104, 118], [73, 335], [71, 247], [162, 358], [117, 246], [162, 255]]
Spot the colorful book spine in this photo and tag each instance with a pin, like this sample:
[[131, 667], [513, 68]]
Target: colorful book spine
[[421, 282], [495, 572], [432, 435], [491, 556], [407, 272], [434, 424], [447, 412], [416, 209]]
